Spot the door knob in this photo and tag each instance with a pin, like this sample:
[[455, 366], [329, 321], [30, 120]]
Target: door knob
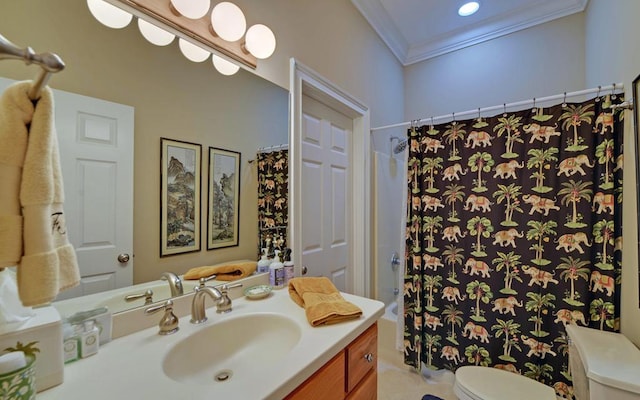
[[304, 270], [123, 258]]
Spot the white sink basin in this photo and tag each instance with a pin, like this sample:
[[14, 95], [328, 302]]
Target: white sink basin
[[232, 349], [161, 291]]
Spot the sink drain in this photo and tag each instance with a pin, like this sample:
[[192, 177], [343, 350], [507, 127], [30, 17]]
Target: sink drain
[[223, 375]]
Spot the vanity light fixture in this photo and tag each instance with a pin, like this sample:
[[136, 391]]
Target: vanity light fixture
[[154, 34], [468, 8], [222, 33], [109, 15]]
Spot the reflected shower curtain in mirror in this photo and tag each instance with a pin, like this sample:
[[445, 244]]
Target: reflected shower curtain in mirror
[[273, 195], [514, 230]]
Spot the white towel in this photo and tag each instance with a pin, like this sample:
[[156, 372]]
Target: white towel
[[33, 232]]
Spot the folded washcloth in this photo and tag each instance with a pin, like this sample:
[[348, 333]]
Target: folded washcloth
[[229, 271], [322, 302]]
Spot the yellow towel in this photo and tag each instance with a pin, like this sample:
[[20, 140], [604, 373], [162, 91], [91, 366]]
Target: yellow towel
[[33, 234], [322, 302], [229, 271]]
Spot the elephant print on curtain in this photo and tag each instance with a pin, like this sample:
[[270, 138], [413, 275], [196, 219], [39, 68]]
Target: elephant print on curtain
[[514, 231], [273, 195]]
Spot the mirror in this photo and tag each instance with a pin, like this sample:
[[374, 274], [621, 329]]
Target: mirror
[[172, 98]]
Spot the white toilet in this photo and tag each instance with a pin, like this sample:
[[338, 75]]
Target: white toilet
[[604, 365], [485, 383]]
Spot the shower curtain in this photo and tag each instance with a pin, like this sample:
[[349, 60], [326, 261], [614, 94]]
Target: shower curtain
[[273, 198], [514, 230]]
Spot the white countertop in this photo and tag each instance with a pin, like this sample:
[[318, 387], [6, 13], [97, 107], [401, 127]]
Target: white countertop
[[131, 366]]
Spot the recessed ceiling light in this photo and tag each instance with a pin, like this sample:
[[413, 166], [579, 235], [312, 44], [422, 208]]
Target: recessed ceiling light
[[468, 8]]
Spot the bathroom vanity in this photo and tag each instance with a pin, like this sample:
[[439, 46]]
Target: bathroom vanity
[[263, 349]]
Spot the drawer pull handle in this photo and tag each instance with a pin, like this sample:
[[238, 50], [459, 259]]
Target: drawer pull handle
[[368, 357]]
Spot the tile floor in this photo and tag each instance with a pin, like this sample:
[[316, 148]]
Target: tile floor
[[397, 381]]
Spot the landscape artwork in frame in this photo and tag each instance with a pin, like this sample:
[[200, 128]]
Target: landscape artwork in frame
[[179, 197], [224, 198]]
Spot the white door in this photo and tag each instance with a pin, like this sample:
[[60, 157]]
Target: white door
[[326, 192], [96, 156], [96, 152], [329, 189]]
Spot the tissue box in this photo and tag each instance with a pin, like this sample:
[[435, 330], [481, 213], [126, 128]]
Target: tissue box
[[46, 329]]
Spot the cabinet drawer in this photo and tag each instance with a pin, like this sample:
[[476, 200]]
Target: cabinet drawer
[[326, 384], [362, 356], [367, 389]]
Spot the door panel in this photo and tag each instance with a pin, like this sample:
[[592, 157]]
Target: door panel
[[326, 192]]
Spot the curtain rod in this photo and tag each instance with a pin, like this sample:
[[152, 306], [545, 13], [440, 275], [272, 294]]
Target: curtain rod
[[49, 62], [269, 149], [616, 87]]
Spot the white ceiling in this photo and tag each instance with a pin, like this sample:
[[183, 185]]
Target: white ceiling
[[416, 30]]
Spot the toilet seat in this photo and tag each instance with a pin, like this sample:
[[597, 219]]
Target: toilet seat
[[484, 383]]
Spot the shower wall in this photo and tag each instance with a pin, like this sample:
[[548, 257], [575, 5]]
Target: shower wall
[[389, 209]]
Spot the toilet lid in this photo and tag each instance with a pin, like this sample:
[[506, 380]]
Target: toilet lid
[[484, 383]]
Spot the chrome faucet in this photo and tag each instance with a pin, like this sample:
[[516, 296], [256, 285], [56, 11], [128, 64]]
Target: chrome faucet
[[169, 322], [198, 313], [175, 284]]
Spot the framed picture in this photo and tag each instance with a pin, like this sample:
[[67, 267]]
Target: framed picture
[[224, 198], [180, 171]]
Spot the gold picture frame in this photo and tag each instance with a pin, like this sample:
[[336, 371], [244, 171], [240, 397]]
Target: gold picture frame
[[180, 177]]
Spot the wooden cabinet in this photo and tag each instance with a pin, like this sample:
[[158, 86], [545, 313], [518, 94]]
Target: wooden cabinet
[[351, 374]]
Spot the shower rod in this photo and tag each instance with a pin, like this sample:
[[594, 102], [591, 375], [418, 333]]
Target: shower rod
[[613, 88]]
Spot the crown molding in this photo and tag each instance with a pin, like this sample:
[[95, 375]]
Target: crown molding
[[488, 29]]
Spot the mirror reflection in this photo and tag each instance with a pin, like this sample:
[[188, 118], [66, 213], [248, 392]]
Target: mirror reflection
[[168, 97]]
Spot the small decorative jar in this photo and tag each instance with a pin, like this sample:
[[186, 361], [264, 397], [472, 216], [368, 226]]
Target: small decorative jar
[[19, 384]]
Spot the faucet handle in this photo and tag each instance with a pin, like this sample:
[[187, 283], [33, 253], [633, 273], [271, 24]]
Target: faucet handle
[[224, 304], [148, 297], [204, 280], [169, 322], [224, 288]]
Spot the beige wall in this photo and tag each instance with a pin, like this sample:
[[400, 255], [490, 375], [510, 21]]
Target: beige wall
[[612, 56]]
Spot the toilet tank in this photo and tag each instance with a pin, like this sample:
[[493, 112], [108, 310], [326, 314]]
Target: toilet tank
[[604, 365]]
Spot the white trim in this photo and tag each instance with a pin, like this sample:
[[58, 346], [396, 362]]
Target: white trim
[[518, 19], [304, 80]]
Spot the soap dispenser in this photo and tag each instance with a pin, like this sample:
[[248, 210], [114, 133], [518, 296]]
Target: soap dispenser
[[276, 273], [288, 266], [264, 262]]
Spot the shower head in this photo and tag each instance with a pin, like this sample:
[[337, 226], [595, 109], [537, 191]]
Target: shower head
[[402, 144]]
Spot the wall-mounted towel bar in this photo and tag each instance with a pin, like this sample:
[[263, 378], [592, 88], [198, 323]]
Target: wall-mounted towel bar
[[49, 62]]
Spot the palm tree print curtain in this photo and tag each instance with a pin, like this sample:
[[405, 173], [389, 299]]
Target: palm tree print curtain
[[273, 195], [514, 231]]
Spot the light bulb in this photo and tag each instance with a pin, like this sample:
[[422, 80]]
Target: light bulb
[[108, 14], [192, 52], [228, 21], [223, 66], [260, 41], [193, 9], [154, 34]]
